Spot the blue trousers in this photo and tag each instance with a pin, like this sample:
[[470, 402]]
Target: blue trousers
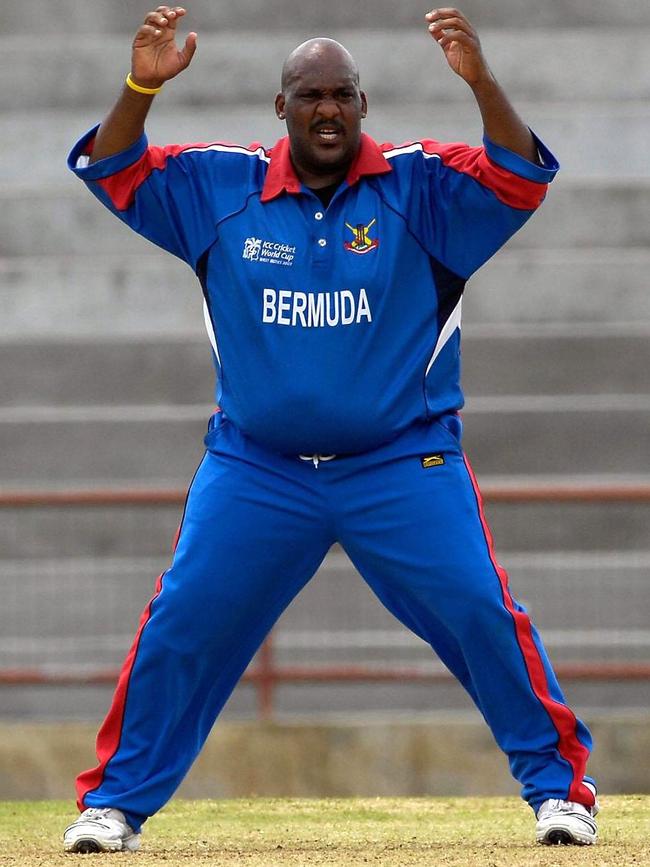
[[256, 527]]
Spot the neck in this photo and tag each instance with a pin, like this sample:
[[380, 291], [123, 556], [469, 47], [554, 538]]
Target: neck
[[316, 179]]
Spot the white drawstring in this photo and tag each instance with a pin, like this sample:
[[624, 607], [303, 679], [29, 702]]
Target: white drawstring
[[316, 459]]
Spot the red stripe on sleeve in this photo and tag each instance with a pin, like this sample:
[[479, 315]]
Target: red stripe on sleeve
[[509, 188], [563, 719], [110, 733], [122, 186]]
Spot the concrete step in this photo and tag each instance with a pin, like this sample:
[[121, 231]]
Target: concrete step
[[569, 129], [590, 285], [577, 213], [31, 17], [144, 292], [177, 369], [174, 369], [598, 434], [590, 527], [75, 295], [159, 445], [546, 64], [576, 361], [504, 439], [47, 534]]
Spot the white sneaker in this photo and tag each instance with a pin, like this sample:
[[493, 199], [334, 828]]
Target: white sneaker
[[100, 830], [566, 822]]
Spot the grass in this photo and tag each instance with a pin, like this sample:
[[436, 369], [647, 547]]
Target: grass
[[392, 832]]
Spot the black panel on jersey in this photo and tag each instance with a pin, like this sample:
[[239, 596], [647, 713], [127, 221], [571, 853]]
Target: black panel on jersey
[[450, 287]]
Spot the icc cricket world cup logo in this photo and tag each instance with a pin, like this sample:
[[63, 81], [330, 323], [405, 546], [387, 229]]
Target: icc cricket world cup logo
[[362, 242]]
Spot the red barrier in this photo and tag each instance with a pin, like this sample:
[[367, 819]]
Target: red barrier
[[516, 492]]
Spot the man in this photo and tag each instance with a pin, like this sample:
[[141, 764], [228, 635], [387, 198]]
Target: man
[[332, 270]]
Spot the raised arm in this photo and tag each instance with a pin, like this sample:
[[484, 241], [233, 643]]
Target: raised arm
[[462, 48], [155, 58]]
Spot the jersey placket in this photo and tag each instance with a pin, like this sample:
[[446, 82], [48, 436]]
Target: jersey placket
[[321, 258], [320, 234]]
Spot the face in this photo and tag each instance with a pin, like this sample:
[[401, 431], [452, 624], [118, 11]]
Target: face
[[323, 107]]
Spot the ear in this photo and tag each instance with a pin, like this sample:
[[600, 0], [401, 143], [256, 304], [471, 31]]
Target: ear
[[364, 104], [279, 106]]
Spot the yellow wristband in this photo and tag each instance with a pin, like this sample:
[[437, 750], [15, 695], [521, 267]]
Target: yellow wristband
[[138, 89]]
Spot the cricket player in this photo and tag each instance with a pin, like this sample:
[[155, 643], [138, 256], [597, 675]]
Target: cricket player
[[332, 270]]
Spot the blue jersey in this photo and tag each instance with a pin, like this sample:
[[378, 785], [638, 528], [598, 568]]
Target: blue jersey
[[333, 329]]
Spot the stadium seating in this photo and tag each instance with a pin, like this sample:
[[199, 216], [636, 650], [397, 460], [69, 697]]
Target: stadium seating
[[106, 371]]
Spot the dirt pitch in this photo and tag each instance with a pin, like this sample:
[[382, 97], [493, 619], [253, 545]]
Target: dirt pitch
[[392, 832]]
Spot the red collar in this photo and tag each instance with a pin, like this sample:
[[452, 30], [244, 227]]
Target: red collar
[[282, 176]]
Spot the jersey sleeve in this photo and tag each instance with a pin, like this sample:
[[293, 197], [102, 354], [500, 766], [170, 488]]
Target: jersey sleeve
[[170, 194], [467, 201]]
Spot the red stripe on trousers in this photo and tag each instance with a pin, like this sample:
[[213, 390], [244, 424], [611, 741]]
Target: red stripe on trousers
[[563, 719], [110, 733]]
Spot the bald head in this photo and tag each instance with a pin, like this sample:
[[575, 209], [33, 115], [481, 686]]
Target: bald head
[[313, 53]]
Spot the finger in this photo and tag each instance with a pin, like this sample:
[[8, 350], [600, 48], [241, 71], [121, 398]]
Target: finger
[[457, 36], [173, 14], [156, 19], [147, 33], [452, 23], [445, 12], [166, 16], [189, 48]]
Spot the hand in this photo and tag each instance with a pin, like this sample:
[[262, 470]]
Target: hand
[[155, 58], [460, 43]]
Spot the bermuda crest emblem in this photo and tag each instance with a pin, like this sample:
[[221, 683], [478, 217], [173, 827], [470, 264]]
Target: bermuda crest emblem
[[362, 242]]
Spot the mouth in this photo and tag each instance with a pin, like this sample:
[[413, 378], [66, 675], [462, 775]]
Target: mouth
[[328, 133]]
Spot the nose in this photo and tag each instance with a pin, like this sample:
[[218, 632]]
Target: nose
[[328, 107]]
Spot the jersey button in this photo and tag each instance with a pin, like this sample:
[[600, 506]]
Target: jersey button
[[319, 215], [322, 242]]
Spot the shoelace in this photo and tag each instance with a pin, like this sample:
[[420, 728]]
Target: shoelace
[[96, 814], [555, 805]]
